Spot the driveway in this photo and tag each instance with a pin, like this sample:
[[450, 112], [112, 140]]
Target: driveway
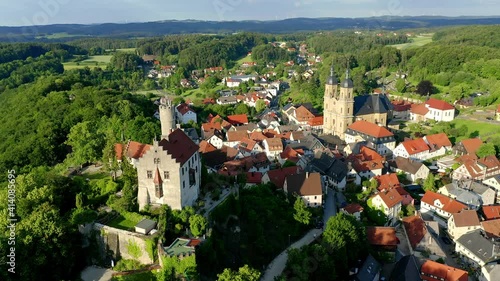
[[93, 273], [277, 266]]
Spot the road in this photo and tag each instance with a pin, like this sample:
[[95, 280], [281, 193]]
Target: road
[[277, 266]]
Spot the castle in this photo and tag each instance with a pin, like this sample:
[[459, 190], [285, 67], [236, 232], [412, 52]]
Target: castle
[[169, 172], [341, 108]]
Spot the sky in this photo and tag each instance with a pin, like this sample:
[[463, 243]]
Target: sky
[[42, 12]]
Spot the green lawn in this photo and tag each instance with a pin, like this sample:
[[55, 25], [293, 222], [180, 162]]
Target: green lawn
[[244, 59], [143, 276], [92, 61], [58, 36], [126, 50], [485, 130], [121, 223], [418, 41]]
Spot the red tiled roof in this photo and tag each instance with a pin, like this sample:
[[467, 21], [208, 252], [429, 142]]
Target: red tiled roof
[[491, 212], [274, 144], [236, 135], [449, 205], [382, 236], [247, 144], [439, 104], [366, 160], [387, 181], [304, 184], [491, 228], [415, 146], [419, 109], [193, 242], [472, 145], [180, 146], [291, 154], [303, 114], [438, 140], [316, 121], [441, 272], [136, 150], [278, 176], [269, 133], [254, 177], [353, 208], [208, 101], [401, 105], [415, 229], [183, 108], [206, 147], [257, 136], [466, 218], [118, 151], [370, 129], [390, 197], [240, 119]]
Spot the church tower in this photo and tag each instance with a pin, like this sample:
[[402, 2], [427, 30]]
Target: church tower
[[331, 92], [345, 106], [167, 117]]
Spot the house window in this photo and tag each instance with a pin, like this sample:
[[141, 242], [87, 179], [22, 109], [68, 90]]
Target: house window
[[157, 160], [150, 174], [192, 177], [183, 184], [159, 190], [315, 197], [182, 170], [166, 175]]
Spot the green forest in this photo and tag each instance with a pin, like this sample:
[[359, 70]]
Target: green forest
[[53, 121]]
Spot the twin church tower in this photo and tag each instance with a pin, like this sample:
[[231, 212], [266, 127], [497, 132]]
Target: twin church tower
[[338, 105]]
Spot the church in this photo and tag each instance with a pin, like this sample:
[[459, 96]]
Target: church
[[341, 108], [169, 171]]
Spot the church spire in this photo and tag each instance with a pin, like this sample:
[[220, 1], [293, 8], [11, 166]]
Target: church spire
[[332, 80]]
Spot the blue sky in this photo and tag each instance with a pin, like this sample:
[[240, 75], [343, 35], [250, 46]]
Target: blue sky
[[35, 12]]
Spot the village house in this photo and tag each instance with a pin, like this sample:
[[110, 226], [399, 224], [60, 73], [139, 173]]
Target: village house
[[476, 249], [438, 144], [432, 271], [413, 170], [237, 120], [467, 147], [422, 236], [373, 136], [466, 197], [478, 169], [401, 110], [300, 115], [391, 181], [308, 186], [273, 147], [206, 147], [382, 238], [213, 69], [389, 201], [369, 271], [367, 163], [233, 138], [486, 193], [440, 206], [416, 150], [494, 183], [353, 209], [491, 229], [333, 169], [132, 151], [491, 212], [185, 114], [216, 140], [278, 176], [432, 109], [462, 222]]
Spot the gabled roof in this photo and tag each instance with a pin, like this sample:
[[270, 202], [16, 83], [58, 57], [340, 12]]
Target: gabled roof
[[254, 177], [353, 208], [369, 104], [415, 229], [491, 228], [180, 146], [118, 151], [278, 176], [291, 154], [472, 145], [303, 114], [406, 269], [491, 212], [316, 121], [247, 144], [390, 197], [382, 236], [407, 165], [441, 272], [236, 136], [257, 136], [437, 141], [304, 184], [239, 119], [466, 218], [449, 205], [439, 104], [370, 129], [387, 181], [136, 150], [274, 144], [183, 108], [366, 160], [478, 245], [415, 146], [419, 109], [206, 147]]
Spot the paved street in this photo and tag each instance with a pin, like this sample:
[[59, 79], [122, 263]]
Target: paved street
[[277, 266]]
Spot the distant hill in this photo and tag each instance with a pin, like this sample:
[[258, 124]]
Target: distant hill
[[145, 29]]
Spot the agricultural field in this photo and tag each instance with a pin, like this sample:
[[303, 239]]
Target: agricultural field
[[93, 61], [418, 41]]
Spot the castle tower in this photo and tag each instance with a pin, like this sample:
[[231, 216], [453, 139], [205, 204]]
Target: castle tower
[[329, 102], [167, 117], [345, 106]]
